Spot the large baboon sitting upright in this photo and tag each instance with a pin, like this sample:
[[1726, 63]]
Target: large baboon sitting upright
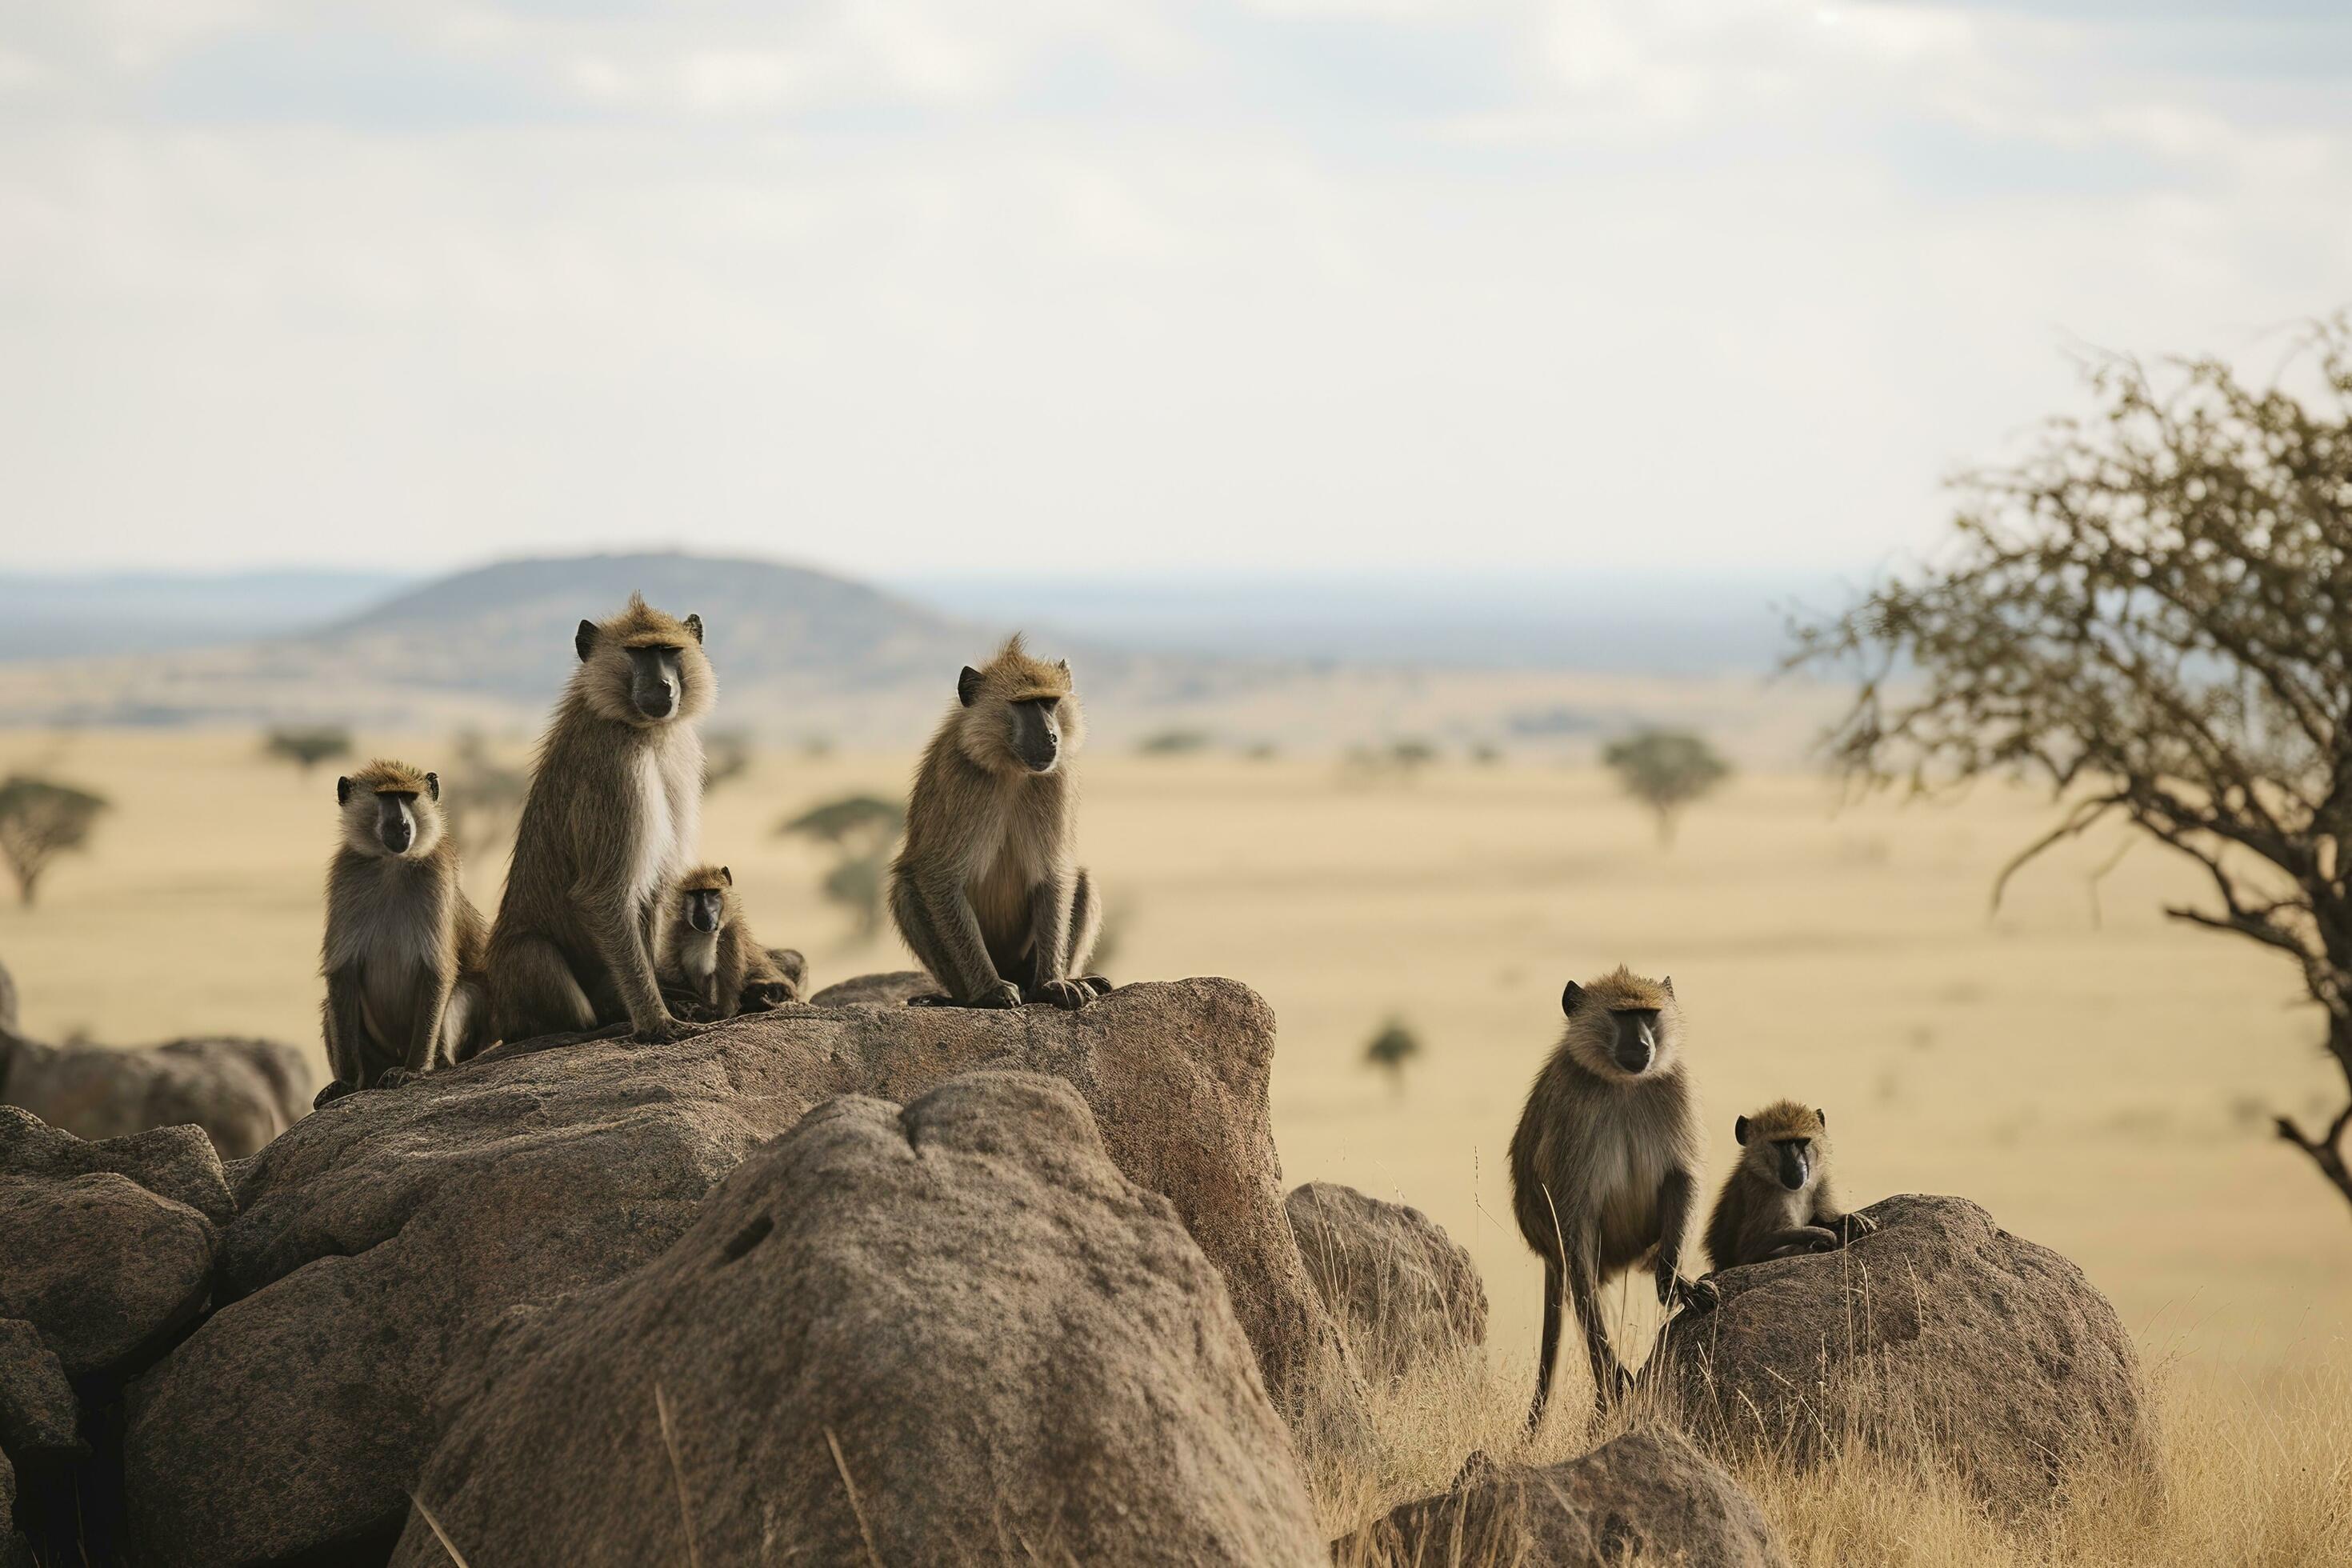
[[614, 808]]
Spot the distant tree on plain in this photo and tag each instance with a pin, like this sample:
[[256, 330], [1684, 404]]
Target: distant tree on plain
[[726, 757], [1391, 1049], [1173, 743], [481, 796], [1665, 770], [41, 819], [863, 829], [2147, 616], [308, 745]]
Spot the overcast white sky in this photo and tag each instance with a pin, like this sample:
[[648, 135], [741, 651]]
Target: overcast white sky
[[939, 284]]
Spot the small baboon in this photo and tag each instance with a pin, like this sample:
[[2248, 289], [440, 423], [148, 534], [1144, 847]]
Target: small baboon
[[613, 811], [405, 946], [1604, 1163], [986, 890], [1776, 1202], [709, 962]]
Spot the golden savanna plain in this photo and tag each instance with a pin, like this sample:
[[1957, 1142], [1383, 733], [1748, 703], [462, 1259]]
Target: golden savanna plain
[[2100, 1078]]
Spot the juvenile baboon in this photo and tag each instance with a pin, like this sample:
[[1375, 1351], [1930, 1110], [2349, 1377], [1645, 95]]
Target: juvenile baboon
[[1776, 1200], [613, 811], [1604, 1163], [405, 946], [986, 888], [709, 962]]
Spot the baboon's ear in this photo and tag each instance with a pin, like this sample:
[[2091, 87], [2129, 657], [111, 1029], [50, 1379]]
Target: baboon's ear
[[1739, 1131], [433, 785], [342, 792], [1823, 1117], [694, 625], [1570, 998], [725, 875], [1668, 985], [1063, 664], [968, 686], [583, 639]]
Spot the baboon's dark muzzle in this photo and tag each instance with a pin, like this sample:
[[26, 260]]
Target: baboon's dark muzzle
[[1794, 1167], [394, 826], [702, 913], [1637, 1044]]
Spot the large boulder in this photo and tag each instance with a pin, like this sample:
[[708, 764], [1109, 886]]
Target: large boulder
[[951, 1332], [104, 1268], [379, 1237], [37, 1413], [241, 1092], [1405, 1291], [1648, 1496], [1941, 1330]]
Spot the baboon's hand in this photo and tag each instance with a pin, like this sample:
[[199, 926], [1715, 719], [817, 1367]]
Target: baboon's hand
[[1855, 1226], [1003, 994], [1068, 994], [766, 996], [336, 1088], [1700, 1296], [1099, 983], [393, 1078], [669, 1029]]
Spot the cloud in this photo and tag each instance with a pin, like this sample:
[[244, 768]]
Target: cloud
[[930, 285]]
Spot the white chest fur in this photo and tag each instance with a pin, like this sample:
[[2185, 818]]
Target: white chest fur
[[668, 781]]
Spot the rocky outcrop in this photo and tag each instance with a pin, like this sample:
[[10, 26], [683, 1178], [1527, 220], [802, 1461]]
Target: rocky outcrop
[[242, 1093], [1405, 1291], [1940, 1336], [951, 1332], [381, 1238], [175, 1163], [1647, 1496]]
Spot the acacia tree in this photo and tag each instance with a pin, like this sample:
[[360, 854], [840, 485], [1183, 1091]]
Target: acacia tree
[[308, 745], [40, 820], [1665, 770], [862, 829], [2149, 616]]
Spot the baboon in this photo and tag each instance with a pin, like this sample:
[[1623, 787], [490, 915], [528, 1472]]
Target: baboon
[[405, 946], [710, 961], [613, 811], [986, 890], [1776, 1201], [1604, 1163]]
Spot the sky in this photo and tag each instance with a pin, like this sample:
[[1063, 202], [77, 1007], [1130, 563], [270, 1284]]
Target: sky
[[929, 285]]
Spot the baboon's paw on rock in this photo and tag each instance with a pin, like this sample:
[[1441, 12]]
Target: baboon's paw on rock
[[954, 1333], [1648, 1496], [242, 1093], [103, 1268], [1941, 1330], [385, 1239], [1405, 1290]]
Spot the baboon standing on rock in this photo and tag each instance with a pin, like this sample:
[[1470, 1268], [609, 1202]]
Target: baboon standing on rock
[[404, 950], [1605, 1165], [614, 808], [987, 890]]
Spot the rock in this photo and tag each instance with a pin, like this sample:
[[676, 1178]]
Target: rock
[[175, 1163], [37, 1413], [1402, 1287], [915, 1336], [106, 1271], [241, 1092], [1648, 1496], [1941, 1326], [890, 990], [378, 1240], [16, 1552]]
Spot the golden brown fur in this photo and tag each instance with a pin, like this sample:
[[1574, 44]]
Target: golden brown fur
[[1605, 1163], [719, 972], [987, 890], [405, 946], [1759, 1215], [612, 817]]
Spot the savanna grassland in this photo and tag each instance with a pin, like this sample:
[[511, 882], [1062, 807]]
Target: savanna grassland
[[2098, 1077]]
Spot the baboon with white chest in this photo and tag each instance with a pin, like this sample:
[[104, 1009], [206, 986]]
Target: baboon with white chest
[[613, 816]]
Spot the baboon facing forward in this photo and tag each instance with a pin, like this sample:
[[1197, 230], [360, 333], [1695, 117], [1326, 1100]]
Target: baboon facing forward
[[613, 811], [1605, 1165], [987, 890]]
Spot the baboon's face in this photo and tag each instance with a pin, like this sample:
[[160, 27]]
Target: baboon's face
[[705, 907], [1621, 1041], [1033, 732], [656, 681], [390, 821]]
